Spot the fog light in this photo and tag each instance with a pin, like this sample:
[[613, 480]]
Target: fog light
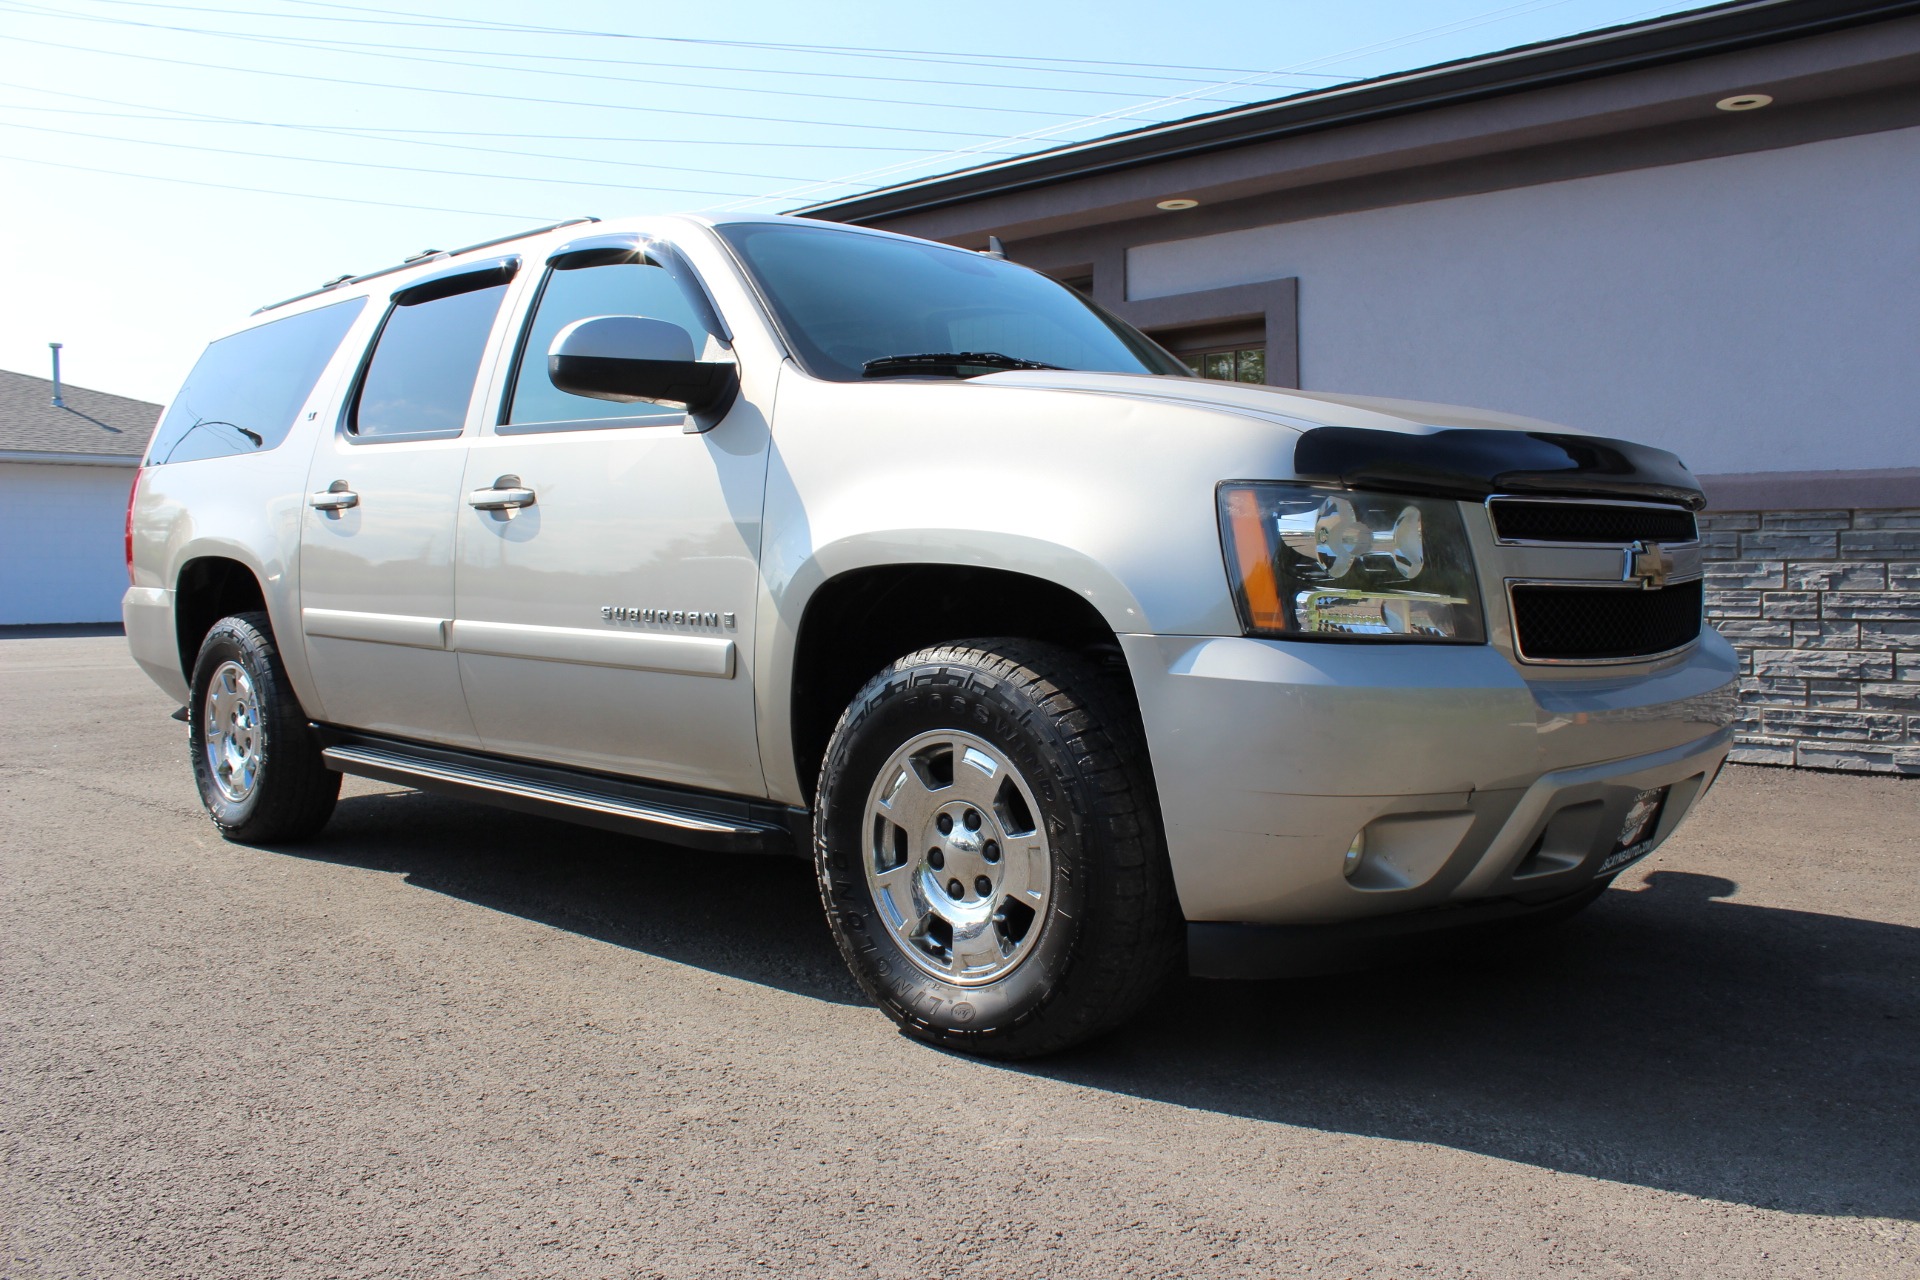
[[1351, 863]]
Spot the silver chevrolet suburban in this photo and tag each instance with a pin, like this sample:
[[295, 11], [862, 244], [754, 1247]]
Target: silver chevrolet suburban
[[1066, 668]]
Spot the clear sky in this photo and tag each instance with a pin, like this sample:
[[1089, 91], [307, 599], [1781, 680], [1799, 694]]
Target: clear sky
[[301, 139]]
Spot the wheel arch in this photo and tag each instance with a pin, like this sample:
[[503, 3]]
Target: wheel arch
[[870, 611], [207, 588]]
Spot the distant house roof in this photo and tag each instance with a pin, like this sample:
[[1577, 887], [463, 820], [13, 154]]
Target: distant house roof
[[93, 427]]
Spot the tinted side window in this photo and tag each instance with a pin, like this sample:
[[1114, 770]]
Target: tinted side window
[[245, 390], [424, 363], [616, 289]]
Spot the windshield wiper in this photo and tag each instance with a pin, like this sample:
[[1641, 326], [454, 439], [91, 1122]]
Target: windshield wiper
[[946, 364]]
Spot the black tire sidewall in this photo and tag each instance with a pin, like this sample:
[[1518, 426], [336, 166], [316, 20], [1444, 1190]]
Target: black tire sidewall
[[899, 706], [236, 639]]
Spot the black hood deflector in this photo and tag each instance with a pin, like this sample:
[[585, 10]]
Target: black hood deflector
[[1473, 463]]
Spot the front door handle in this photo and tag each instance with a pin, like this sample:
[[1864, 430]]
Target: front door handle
[[506, 494], [335, 497]]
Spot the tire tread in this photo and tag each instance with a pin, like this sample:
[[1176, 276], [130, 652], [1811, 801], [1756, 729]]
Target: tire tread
[[297, 792], [1133, 939]]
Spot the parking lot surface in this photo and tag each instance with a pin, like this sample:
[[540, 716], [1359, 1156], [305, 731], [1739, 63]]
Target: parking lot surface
[[447, 1041]]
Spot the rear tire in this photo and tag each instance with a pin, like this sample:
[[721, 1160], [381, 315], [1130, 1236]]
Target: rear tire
[[989, 852], [255, 759]]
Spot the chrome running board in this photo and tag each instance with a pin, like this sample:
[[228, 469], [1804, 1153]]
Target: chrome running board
[[720, 824]]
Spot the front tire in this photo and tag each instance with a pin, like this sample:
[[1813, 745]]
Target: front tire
[[255, 759], [989, 852]]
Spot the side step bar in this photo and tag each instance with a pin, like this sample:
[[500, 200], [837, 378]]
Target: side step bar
[[695, 820]]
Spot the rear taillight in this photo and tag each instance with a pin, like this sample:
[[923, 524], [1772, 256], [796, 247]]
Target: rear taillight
[[132, 493]]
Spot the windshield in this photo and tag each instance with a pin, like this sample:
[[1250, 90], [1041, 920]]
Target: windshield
[[847, 300]]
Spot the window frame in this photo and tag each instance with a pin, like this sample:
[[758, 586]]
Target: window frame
[[1273, 305], [648, 250], [1232, 350], [1122, 328], [333, 360], [504, 272]]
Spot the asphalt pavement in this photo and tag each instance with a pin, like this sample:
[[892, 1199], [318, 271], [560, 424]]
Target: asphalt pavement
[[447, 1041]]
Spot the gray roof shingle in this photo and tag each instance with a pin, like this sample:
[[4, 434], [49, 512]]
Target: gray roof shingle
[[92, 422]]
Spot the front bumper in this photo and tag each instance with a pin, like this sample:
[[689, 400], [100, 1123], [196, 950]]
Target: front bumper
[[1474, 783]]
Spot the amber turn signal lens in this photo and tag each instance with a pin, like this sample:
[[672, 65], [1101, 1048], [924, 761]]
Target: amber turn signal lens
[[1253, 557]]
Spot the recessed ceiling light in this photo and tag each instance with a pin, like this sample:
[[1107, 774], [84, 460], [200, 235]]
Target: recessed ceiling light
[[1744, 102], [1173, 205]]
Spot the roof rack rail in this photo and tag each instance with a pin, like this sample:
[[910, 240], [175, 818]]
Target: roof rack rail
[[429, 255]]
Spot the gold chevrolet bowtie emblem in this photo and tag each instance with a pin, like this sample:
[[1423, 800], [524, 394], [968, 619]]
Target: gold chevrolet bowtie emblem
[[1648, 563]]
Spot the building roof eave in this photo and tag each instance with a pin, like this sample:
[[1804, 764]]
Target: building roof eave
[[1678, 37], [37, 457]]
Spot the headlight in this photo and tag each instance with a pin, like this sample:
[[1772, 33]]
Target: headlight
[[1342, 564]]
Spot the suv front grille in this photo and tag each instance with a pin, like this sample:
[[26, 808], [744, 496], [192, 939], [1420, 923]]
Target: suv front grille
[[1600, 624], [1519, 520]]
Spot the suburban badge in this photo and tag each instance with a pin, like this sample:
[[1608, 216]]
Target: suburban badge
[[667, 617]]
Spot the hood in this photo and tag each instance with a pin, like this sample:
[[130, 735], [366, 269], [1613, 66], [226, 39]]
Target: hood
[[1302, 410], [1408, 446]]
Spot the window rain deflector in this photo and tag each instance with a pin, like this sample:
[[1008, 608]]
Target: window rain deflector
[[465, 278], [616, 247]]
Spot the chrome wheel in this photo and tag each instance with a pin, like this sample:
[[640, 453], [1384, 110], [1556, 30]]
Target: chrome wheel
[[232, 731], [957, 857]]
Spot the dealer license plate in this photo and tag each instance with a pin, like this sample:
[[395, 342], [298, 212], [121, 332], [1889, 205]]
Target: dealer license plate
[[1636, 833]]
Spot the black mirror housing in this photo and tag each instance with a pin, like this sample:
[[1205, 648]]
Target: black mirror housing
[[634, 359]]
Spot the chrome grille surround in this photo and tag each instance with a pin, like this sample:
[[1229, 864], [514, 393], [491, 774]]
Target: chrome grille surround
[[1637, 521], [1594, 562]]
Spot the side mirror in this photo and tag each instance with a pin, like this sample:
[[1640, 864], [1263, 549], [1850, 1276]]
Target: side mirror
[[633, 358]]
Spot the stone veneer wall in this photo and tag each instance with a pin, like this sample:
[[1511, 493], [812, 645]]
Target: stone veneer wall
[[1824, 608]]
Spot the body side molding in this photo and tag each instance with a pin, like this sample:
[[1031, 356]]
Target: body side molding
[[377, 628], [644, 651]]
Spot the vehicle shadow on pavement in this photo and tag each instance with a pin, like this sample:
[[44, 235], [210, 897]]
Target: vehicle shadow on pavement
[[751, 917], [1665, 1038]]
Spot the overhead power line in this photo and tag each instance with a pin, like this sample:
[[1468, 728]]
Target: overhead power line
[[864, 178], [997, 61], [642, 68], [374, 131], [497, 97], [270, 191], [413, 55], [196, 119], [368, 164]]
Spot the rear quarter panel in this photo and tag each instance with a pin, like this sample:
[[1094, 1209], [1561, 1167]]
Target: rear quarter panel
[[248, 508]]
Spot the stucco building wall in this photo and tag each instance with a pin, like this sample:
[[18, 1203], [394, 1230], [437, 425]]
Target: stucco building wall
[[1753, 313]]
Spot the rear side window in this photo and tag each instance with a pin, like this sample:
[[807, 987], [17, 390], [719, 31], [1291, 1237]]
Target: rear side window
[[245, 391], [420, 379]]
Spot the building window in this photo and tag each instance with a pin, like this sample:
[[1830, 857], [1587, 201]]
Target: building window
[[1241, 364]]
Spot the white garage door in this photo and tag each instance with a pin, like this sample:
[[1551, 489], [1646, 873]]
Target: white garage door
[[62, 553]]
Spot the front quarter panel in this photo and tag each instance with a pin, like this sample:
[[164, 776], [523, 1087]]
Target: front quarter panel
[[1107, 495]]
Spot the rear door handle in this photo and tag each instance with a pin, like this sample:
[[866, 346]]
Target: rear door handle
[[506, 494], [335, 497]]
